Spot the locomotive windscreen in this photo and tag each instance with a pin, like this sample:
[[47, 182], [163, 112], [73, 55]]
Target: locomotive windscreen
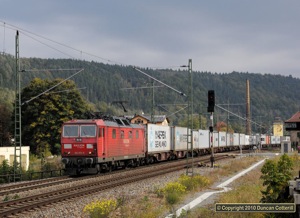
[[88, 131], [82, 131], [70, 131]]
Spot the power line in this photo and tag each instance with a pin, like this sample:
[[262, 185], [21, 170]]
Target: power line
[[26, 102], [179, 92], [24, 31]]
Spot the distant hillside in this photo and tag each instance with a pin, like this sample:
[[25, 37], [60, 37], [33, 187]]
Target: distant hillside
[[271, 95]]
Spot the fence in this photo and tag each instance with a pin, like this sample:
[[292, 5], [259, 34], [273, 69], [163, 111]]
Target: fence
[[31, 176]]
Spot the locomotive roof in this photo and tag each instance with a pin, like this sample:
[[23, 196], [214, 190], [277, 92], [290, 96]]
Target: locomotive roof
[[114, 121], [121, 121]]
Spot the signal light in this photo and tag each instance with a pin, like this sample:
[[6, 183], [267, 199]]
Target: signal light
[[211, 101]]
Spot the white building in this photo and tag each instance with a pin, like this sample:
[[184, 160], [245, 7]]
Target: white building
[[8, 153]]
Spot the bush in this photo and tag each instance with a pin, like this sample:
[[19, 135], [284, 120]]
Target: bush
[[195, 182], [173, 192], [100, 208]]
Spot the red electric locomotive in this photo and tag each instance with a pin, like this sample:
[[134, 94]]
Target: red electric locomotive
[[91, 146]]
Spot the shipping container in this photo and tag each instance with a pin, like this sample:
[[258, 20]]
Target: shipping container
[[222, 139], [178, 138], [204, 139], [158, 138], [236, 139]]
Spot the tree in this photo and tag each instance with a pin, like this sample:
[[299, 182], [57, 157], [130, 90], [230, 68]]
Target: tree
[[43, 116], [275, 177], [5, 123], [196, 122]]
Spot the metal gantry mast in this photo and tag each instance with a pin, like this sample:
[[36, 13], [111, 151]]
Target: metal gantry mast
[[190, 169], [17, 136]]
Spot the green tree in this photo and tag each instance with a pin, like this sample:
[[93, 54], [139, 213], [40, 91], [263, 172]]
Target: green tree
[[5, 123], [275, 176], [197, 124], [43, 116]]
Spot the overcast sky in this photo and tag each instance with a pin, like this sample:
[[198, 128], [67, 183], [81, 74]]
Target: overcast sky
[[256, 36]]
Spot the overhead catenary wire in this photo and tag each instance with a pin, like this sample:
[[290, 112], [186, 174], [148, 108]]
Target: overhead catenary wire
[[26, 102], [24, 31], [49, 46], [179, 92], [80, 51]]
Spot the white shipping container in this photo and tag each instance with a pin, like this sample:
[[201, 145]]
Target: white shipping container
[[216, 140], [273, 140], [222, 139], [229, 139], [158, 138], [242, 139], [277, 140], [263, 139], [179, 138], [195, 139], [203, 139], [236, 139], [247, 139]]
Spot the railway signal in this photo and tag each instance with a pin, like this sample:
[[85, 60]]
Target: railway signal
[[211, 101]]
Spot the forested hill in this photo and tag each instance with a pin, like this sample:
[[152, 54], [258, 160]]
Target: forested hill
[[271, 95]]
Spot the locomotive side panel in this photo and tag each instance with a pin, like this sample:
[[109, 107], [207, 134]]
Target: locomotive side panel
[[123, 143]]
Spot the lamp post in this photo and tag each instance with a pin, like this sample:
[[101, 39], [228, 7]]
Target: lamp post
[[190, 121]]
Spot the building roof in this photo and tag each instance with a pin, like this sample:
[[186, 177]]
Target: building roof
[[295, 118], [157, 118]]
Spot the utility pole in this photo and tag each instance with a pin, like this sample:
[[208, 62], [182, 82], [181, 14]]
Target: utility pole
[[18, 136]]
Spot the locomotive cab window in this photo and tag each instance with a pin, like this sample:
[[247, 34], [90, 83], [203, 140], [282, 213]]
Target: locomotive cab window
[[130, 134], [88, 131], [101, 132], [114, 133], [70, 131], [137, 134]]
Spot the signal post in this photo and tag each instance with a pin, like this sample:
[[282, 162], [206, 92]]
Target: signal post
[[210, 108]]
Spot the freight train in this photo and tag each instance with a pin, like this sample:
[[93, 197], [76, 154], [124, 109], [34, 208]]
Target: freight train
[[100, 145]]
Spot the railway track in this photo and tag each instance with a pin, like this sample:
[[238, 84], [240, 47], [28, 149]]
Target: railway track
[[36, 184], [17, 206]]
